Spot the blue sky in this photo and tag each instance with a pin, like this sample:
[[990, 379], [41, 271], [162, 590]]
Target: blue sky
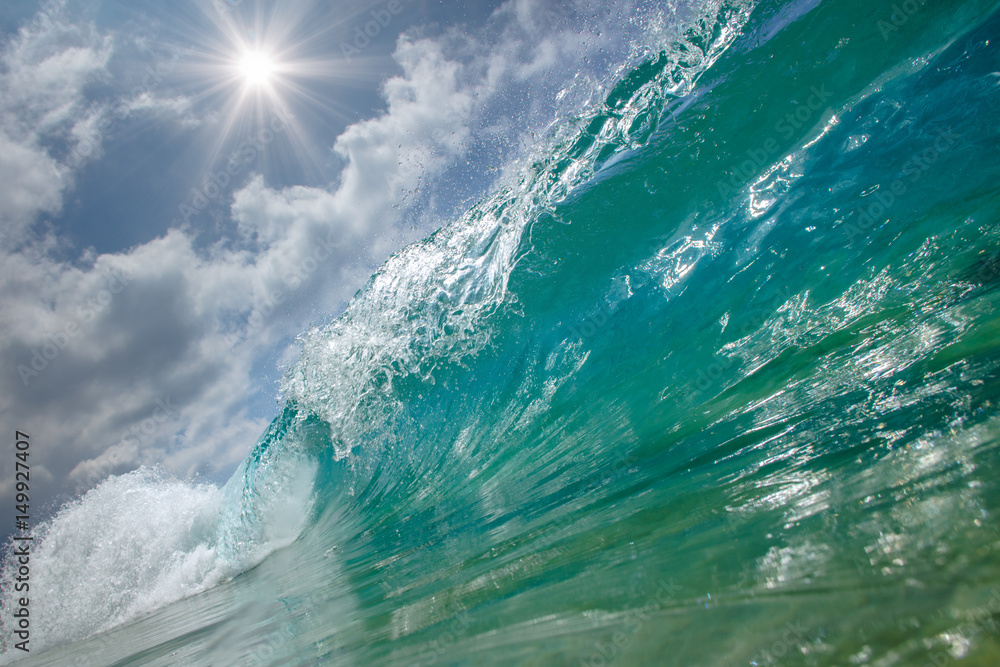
[[169, 224]]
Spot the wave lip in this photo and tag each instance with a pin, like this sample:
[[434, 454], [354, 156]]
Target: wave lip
[[427, 307]]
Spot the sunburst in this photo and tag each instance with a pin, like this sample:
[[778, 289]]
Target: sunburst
[[257, 67]]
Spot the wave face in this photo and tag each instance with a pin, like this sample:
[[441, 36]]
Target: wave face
[[713, 381]]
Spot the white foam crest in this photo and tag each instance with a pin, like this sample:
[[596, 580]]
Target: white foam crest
[[425, 307], [134, 543], [142, 540]]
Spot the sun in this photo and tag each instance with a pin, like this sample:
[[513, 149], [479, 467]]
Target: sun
[[260, 68], [256, 68]]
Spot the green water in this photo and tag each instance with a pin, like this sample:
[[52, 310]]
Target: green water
[[715, 382]]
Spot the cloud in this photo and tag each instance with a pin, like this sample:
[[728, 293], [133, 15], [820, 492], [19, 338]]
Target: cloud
[[268, 216], [178, 106], [424, 129], [32, 183], [97, 347], [152, 355], [462, 102], [45, 69]]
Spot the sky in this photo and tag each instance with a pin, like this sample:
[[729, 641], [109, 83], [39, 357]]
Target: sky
[[185, 187]]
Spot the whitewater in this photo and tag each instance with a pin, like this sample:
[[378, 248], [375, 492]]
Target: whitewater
[[709, 376]]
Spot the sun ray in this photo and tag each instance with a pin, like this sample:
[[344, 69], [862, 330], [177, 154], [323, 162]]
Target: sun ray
[[250, 64]]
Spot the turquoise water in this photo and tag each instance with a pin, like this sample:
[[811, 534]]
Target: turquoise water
[[714, 381]]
